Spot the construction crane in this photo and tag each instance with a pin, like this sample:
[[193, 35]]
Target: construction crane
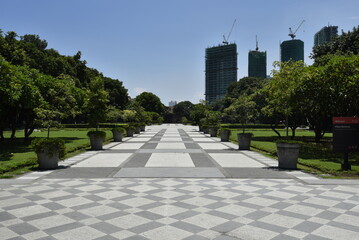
[[291, 33], [256, 44], [225, 40]]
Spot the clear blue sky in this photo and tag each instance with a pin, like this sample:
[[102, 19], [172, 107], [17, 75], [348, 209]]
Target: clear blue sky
[[159, 45]]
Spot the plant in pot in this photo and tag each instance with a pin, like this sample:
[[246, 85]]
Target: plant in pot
[[213, 119], [242, 110], [97, 108], [225, 133], [118, 133], [130, 129], [288, 153], [48, 150]]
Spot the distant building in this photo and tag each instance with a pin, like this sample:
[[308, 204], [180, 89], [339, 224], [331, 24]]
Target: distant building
[[172, 103], [292, 50], [257, 64], [326, 34], [221, 70]]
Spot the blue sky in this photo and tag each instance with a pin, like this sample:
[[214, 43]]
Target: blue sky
[[159, 45]]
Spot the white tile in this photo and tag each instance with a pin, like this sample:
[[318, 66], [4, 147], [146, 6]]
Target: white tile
[[128, 146], [213, 146], [104, 160], [171, 146], [139, 139], [170, 160], [82, 233], [166, 232], [237, 160], [171, 139], [203, 139]]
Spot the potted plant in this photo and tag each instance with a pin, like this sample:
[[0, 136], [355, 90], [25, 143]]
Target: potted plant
[[225, 132], [242, 110], [118, 133], [213, 118], [96, 139], [97, 109], [49, 151], [130, 130], [143, 127], [288, 153]]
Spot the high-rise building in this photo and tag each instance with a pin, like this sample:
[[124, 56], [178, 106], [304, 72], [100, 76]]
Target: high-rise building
[[172, 103], [257, 64], [326, 34], [221, 70], [292, 50]]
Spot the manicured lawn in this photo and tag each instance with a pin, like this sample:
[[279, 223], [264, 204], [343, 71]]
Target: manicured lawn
[[16, 156], [317, 157]]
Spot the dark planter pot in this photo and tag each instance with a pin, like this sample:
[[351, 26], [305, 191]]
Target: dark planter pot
[[205, 130], [117, 136], [138, 130], [225, 135], [129, 132], [48, 161], [143, 128], [288, 154], [96, 142], [200, 128], [244, 141], [213, 132]]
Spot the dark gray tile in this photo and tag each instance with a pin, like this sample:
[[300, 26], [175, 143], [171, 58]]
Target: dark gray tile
[[145, 227], [138, 160], [346, 206], [83, 172], [222, 215], [23, 228], [63, 228], [284, 237], [187, 227], [4, 216], [77, 216], [105, 227], [149, 146], [226, 227], [267, 226], [201, 160], [329, 215], [192, 146], [307, 226], [257, 215], [38, 216], [149, 215]]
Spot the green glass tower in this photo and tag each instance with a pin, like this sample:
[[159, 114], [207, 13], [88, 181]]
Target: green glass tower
[[292, 50], [221, 70], [257, 64], [326, 34]]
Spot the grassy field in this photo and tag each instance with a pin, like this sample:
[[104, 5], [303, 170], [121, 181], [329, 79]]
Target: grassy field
[[314, 157], [17, 157]]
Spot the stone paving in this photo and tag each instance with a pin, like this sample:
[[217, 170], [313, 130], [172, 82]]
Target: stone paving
[[172, 182]]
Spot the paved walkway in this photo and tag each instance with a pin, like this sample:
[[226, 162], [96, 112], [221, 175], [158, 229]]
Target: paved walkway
[[172, 182]]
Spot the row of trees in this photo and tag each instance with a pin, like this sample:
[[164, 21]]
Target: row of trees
[[40, 88]]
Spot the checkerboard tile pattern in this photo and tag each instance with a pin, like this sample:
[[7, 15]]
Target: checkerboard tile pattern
[[179, 208]]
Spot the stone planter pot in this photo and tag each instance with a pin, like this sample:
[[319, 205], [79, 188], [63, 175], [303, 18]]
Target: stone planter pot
[[244, 141], [288, 154], [48, 161], [143, 128], [138, 130], [225, 135], [213, 132], [117, 136], [205, 130], [96, 142], [200, 128], [129, 132]]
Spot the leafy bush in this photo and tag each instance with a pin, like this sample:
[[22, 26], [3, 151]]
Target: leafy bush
[[51, 145], [97, 134]]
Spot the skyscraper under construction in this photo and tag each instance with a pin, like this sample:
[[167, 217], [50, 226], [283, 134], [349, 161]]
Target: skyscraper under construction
[[221, 70], [326, 34], [292, 50], [257, 63]]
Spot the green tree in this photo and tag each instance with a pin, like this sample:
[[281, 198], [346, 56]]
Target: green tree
[[97, 102], [182, 109], [118, 95], [150, 102], [198, 112]]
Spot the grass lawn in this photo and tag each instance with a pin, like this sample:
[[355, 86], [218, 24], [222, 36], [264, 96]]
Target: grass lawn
[[17, 157], [314, 157]]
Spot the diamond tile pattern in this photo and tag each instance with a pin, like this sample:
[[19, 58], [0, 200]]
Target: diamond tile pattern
[[179, 208], [172, 182]]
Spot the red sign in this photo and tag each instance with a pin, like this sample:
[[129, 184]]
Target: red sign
[[345, 120]]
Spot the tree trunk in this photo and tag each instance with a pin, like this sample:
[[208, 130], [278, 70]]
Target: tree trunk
[[27, 132], [273, 128], [318, 134], [13, 132], [293, 132], [2, 135]]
